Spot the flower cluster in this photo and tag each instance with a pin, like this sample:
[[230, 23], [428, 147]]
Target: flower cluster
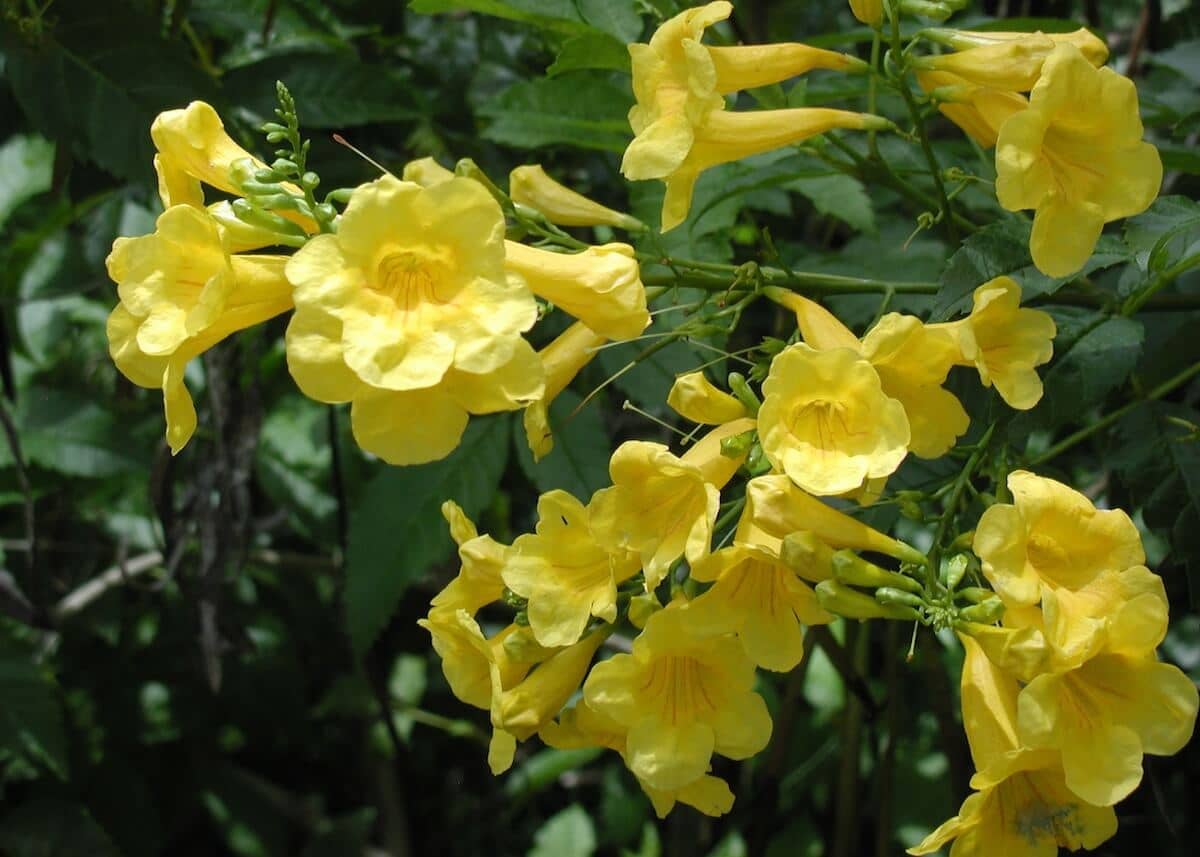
[[1071, 149], [1061, 701], [411, 305]]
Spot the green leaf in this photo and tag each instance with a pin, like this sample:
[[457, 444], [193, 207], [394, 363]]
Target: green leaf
[[840, 196], [1081, 376], [1183, 58], [570, 833], [26, 163], [579, 461], [1165, 232], [98, 77], [542, 770], [348, 834], [406, 687], [292, 464], [31, 715], [591, 50], [1002, 249], [67, 433], [580, 109], [53, 828], [331, 90], [619, 18], [396, 526]]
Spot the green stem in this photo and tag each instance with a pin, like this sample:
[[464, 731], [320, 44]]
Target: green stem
[[1163, 389], [935, 170], [825, 284], [952, 504], [1136, 301]]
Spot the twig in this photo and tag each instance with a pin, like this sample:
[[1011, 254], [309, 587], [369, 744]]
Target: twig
[[36, 584], [82, 596]]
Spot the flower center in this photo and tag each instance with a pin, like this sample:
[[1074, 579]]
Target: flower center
[[409, 280], [676, 683], [821, 424]]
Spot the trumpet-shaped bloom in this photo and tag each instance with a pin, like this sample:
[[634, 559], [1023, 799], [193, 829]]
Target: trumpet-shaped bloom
[[478, 581], [659, 507], [695, 398], [194, 149], [1076, 156], [565, 573], [426, 172], [408, 310], [868, 11], [181, 292], [530, 185], [826, 422], [680, 124], [1104, 715], [980, 111], [468, 658], [913, 360], [1023, 806], [1009, 62], [1052, 536], [1005, 342], [601, 286], [681, 697], [760, 599], [775, 506], [562, 360], [527, 706], [580, 726]]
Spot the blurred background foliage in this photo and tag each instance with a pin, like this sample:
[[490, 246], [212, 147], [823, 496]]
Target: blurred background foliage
[[217, 654]]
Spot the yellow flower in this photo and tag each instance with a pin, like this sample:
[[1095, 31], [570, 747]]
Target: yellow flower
[[408, 310], [580, 726], [1023, 808], [194, 148], [1005, 342], [530, 185], [778, 508], [600, 286], [868, 11], [913, 360], [695, 398], [758, 598], [1104, 715], [1006, 61], [527, 706], [468, 657], [682, 697], [662, 506], [1117, 611], [562, 360], [826, 422], [478, 581], [181, 292], [426, 172], [567, 576], [1051, 536], [1076, 157], [680, 124], [980, 111]]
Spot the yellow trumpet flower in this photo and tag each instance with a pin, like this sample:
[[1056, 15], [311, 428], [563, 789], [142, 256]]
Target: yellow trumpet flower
[[478, 581], [979, 111], [601, 286], [408, 310], [694, 397], [1010, 62], [181, 292], [1076, 156], [682, 697], [826, 422], [870, 12], [530, 185]]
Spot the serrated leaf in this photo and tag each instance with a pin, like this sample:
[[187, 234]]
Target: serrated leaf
[[591, 50], [1168, 230], [618, 18], [332, 90], [1002, 249], [579, 461], [840, 196], [1079, 378], [570, 833], [580, 109], [96, 79], [31, 715], [396, 527], [26, 163]]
